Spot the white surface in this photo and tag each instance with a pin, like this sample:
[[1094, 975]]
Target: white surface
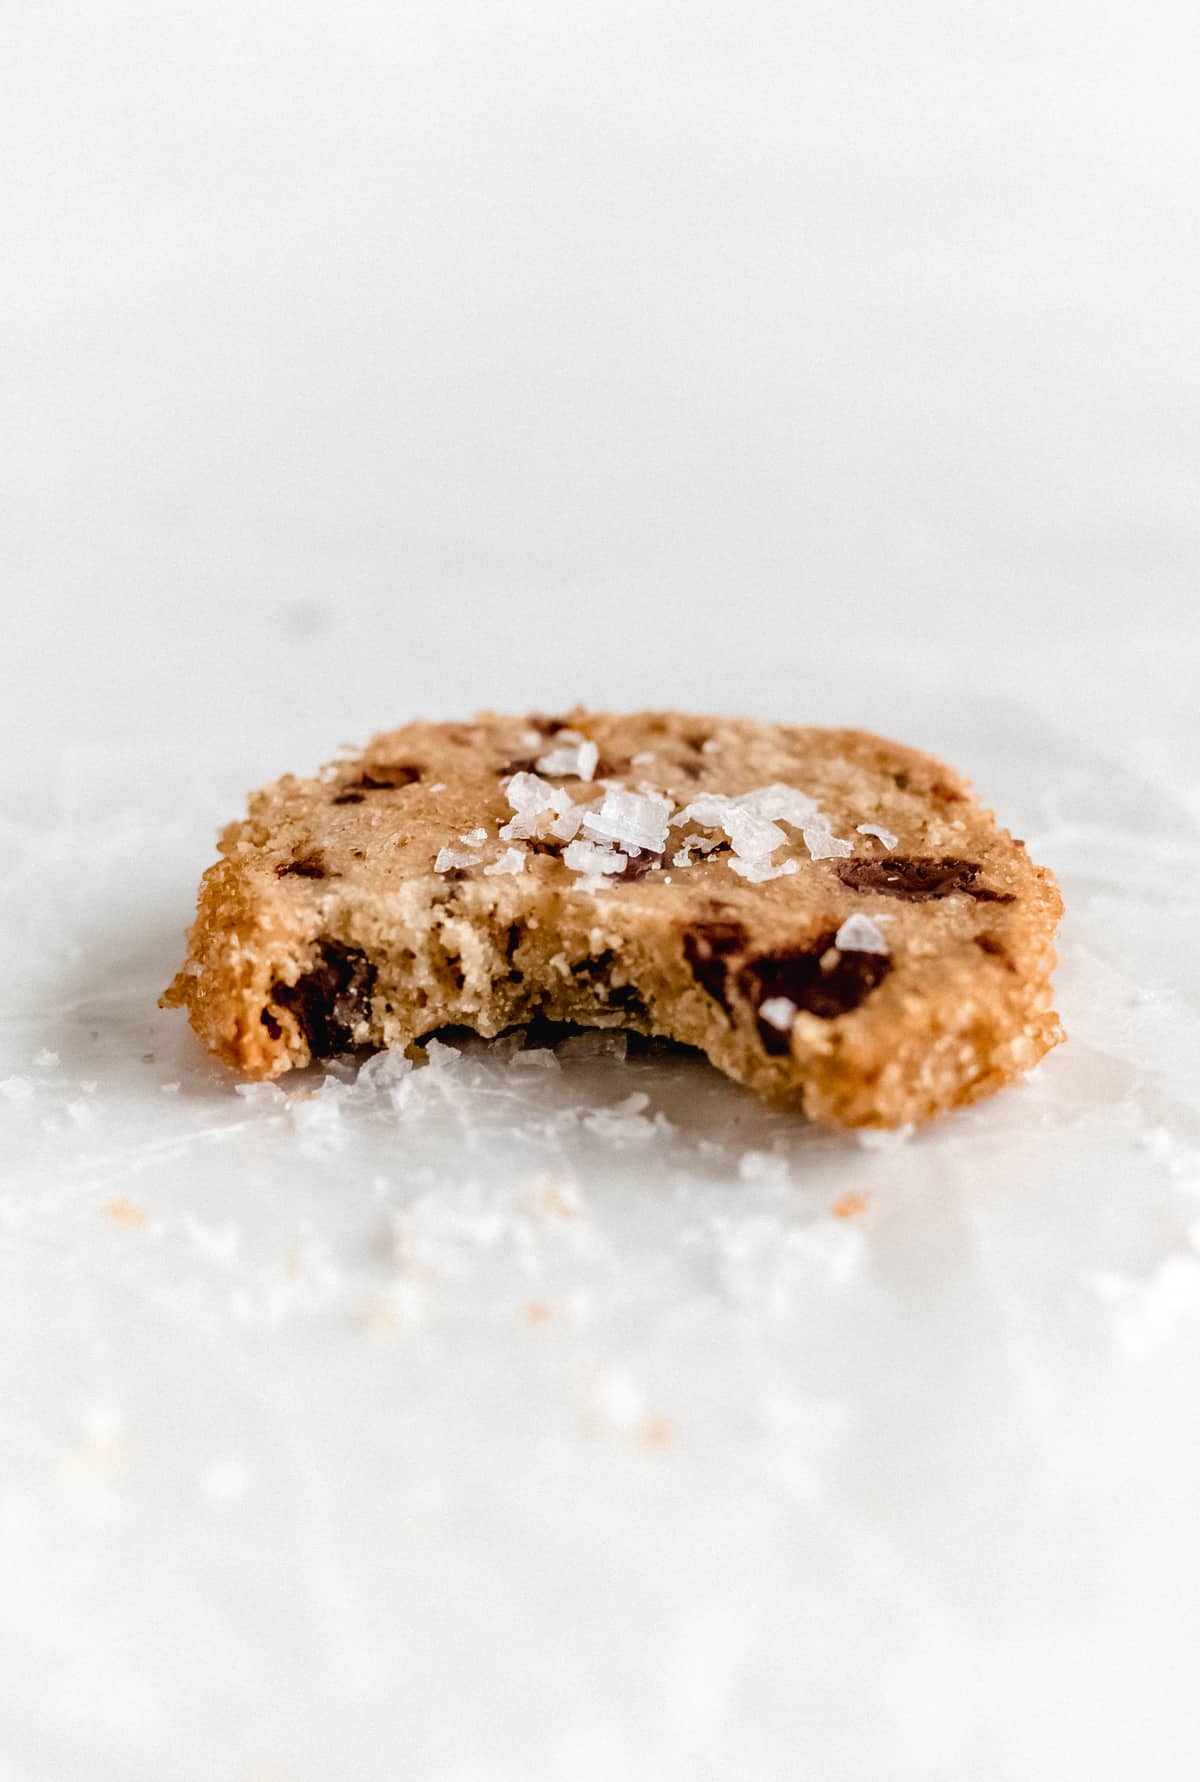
[[820, 362]]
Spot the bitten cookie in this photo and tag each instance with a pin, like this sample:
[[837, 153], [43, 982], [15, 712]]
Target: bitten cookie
[[833, 919]]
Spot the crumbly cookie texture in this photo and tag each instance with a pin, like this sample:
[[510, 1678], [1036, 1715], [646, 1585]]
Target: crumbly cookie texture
[[833, 919]]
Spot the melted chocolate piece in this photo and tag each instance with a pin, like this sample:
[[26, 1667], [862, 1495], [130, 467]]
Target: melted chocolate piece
[[305, 866], [329, 1000], [919, 878], [818, 978], [708, 948]]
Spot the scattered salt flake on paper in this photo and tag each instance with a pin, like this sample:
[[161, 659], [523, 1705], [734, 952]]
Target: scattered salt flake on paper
[[450, 859], [383, 1071], [511, 861], [873, 1138], [216, 1243], [884, 835], [858, 934], [46, 1059], [766, 1167], [16, 1088], [625, 1122], [1150, 1309], [261, 1094], [578, 761], [778, 1012]]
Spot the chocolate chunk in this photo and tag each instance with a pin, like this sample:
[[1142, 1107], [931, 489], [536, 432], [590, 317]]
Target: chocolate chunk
[[919, 878], [597, 973], [328, 1001], [514, 939], [995, 950], [305, 866], [383, 779], [818, 978], [592, 970], [708, 947], [626, 998], [637, 868]]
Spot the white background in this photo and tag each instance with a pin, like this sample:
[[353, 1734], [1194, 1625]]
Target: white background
[[822, 362]]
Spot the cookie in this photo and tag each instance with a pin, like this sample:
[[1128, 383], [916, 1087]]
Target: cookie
[[832, 919]]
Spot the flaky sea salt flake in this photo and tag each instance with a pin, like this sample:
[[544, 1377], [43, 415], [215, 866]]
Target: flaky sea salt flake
[[450, 859], [858, 934], [884, 835], [778, 1012], [511, 861], [758, 871], [528, 797], [587, 857], [631, 819], [822, 844], [573, 761]]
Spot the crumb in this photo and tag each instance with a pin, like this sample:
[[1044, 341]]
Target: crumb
[[850, 1206], [656, 1431], [123, 1212]]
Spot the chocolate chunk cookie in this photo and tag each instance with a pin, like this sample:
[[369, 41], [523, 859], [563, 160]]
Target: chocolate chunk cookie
[[832, 919]]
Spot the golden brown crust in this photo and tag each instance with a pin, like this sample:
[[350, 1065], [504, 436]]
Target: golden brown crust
[[325, 923]]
